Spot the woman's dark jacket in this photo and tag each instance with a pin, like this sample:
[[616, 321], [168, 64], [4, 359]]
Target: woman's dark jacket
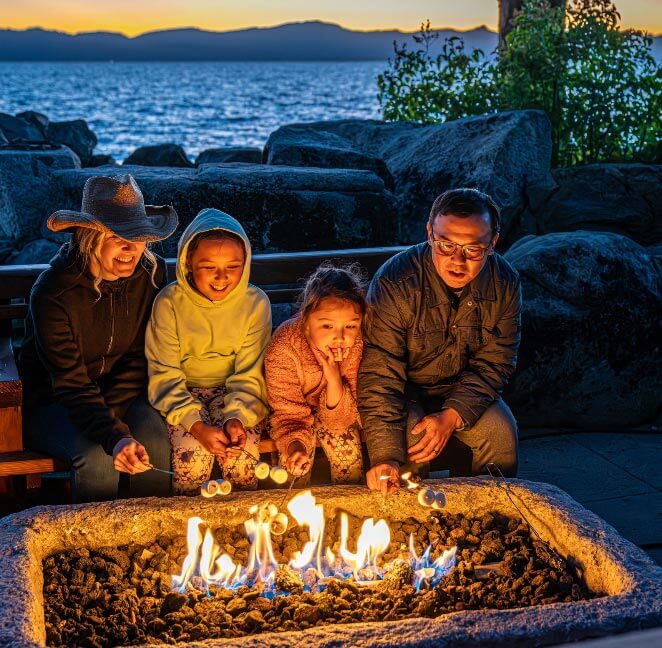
[[87, 352], [418, 341]]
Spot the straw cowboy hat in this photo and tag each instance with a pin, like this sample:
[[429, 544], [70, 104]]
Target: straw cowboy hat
[[116, 206]]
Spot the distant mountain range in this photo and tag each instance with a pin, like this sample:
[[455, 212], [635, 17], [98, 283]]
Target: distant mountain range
[[303, 41]]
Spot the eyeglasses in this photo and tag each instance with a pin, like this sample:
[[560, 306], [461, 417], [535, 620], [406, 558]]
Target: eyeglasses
[[469, 252]]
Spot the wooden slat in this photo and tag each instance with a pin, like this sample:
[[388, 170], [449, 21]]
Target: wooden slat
[[266, 445], [11, 429], [266, 269], [13, 311], [11, 391], [28, 463]]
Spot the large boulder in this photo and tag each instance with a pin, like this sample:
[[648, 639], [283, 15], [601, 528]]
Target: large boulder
[[24, 189], [247, 154], [300, 146], [39, 251], [591, 354], [16, 129], [282, 208], [503, 154], [37, 119], [159, 155], [102, 159], [620, 198], [75, 134]]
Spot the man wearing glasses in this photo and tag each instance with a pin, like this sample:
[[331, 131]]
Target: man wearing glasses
[[440, 344]]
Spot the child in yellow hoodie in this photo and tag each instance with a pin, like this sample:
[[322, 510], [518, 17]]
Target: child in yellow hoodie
[[205, 348]]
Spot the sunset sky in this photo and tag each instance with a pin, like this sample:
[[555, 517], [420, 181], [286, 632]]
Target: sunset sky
[[133, 17]]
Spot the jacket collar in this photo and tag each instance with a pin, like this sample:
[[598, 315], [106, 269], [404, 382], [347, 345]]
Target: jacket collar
[[480, 288]]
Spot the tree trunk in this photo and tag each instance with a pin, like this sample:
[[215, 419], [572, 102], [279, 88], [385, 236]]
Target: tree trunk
[[507, 9]]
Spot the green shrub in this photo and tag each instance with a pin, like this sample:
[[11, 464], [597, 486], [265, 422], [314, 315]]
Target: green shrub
[[424, 88], [599, 85]]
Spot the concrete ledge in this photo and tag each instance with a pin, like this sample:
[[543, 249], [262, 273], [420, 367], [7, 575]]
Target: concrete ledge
[[629, 582]]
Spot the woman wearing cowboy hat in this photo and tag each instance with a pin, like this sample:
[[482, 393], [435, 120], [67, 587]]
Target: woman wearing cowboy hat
[[83, 364]]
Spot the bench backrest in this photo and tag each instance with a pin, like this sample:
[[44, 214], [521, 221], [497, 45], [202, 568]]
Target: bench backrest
[[279, 274]]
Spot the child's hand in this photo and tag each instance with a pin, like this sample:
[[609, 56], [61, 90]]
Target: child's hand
[[330, 363], [235, 431], [297, 460], [130, 457], [212, 438]]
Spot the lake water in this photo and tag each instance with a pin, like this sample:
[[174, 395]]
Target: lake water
[[197, 105]]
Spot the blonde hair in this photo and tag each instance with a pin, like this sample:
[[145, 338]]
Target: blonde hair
[[88, 242]]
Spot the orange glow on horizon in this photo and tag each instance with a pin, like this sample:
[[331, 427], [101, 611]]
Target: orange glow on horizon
[[132, 19]]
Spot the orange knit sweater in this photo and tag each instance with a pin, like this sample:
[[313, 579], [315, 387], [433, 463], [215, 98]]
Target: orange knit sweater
[[296, 388]]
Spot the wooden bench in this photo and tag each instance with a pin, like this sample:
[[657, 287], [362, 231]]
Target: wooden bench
[[279, 274]]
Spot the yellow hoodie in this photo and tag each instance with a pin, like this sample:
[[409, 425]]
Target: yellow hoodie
[[192, 341]]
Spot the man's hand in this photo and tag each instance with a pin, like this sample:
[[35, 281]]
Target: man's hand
[[236, 433], [129, 456], [384, 477], [297, 460], [212, 438], [437, 429]]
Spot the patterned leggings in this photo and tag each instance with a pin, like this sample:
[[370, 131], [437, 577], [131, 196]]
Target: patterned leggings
[[343, 450], [192, 463]]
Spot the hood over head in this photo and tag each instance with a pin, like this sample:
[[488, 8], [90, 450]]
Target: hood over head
[[206, 220]]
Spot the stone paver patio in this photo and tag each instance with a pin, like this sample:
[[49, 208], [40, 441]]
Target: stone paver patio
[[616, 475]]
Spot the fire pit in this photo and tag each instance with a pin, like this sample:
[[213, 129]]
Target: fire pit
[[625, 586]]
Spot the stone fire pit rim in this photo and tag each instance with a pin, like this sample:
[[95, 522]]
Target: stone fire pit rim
[[637, 604]]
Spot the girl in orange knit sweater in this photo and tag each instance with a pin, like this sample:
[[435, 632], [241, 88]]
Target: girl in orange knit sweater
[[311, 367]]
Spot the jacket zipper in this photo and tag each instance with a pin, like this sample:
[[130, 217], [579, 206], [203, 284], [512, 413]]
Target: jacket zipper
[[112, 331]]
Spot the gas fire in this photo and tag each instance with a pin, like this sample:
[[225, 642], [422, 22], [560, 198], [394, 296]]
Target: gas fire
[[206, 565]]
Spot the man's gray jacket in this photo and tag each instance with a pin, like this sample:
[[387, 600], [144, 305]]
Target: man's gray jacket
[[415, 338]]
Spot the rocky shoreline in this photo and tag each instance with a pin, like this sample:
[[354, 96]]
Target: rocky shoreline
[[587, 241]]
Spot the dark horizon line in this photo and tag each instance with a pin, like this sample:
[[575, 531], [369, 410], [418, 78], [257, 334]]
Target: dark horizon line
[[241, 29], [119, 62]]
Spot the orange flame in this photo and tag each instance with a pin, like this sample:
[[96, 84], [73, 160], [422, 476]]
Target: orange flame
[[205, 564]]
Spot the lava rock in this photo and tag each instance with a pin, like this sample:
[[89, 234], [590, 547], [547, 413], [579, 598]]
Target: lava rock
[[246, 154], [236, 606], [591, 336], [159, 155], [288, 580], [400, 574], [75, 134], [173, 602], [109, 611]]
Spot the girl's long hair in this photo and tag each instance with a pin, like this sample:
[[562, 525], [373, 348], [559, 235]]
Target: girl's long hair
[[347, 283]]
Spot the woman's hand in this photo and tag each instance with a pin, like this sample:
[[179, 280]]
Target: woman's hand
[[384, 477], [130, 457], [297, 460], [236, 433], [212, 438], [330, 363]]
